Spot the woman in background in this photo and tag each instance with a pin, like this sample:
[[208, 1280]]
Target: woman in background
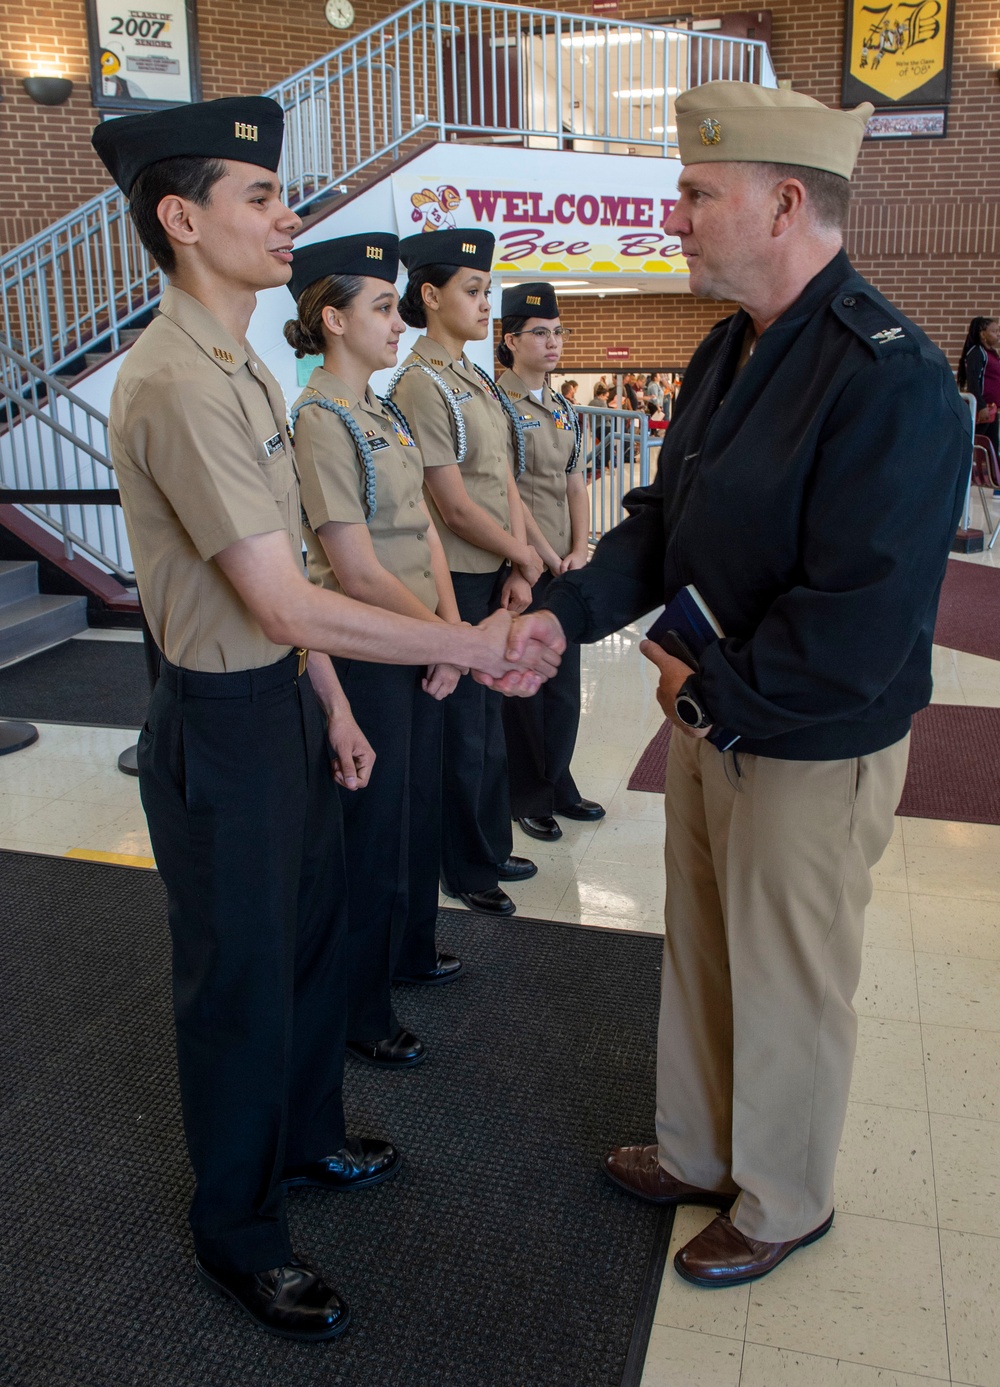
[[979, 373]]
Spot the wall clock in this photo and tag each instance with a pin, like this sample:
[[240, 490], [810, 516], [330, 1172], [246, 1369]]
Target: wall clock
[[340, 13]]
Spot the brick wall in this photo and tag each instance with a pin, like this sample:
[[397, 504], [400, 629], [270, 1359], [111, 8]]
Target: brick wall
[[938, 271]]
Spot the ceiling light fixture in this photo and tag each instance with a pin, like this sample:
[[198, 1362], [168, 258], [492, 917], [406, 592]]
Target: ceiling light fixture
[[643, 93]]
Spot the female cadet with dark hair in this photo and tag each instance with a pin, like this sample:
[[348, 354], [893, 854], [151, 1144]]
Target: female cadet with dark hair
[[979, 373], [369, 535], [469, 438], [541, 733]]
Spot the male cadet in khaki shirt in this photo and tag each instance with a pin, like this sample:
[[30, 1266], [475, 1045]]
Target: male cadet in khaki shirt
[[233, 760]]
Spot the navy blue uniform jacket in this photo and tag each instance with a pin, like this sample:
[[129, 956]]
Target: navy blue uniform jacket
[[812, 500]]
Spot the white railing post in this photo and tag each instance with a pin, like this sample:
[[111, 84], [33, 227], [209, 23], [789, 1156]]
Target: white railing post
[[438, 51]]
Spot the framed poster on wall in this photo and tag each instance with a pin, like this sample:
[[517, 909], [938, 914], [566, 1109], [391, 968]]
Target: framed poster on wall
[[898, 52], [141, 59]]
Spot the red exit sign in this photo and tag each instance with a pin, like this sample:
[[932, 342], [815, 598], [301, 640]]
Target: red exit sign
[[617, 353]]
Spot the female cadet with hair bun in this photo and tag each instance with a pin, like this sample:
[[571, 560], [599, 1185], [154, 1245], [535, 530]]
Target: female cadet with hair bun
[[468, 434], [541, 731], [369, 535]]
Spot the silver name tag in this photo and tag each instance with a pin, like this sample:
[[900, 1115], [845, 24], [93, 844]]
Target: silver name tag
[[376, 443], [465, 395], [273, 445]]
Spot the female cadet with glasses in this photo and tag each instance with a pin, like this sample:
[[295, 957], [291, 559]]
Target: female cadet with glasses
[[541, 733], [469, 437], [369, 535]]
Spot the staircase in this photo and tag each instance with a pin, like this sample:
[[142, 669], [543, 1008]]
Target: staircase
[[29, 621]]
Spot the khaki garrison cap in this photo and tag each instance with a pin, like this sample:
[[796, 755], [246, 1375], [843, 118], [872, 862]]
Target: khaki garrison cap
[[738, 122]]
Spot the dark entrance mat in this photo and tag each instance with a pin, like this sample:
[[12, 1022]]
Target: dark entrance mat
[[103, 683], [952, 772], [969, 612], [499, 1257]]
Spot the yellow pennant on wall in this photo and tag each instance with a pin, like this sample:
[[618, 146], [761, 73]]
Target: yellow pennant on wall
[[899, 46]]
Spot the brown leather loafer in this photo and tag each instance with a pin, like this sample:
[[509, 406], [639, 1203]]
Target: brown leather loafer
[[636, 1169], [723, 1256]]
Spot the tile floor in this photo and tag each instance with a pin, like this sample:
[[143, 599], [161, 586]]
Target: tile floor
[[906, 1288]]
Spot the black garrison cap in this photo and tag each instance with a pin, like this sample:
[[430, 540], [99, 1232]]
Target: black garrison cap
[[248, 129], [529, 301], [374, 253], [465, 248]]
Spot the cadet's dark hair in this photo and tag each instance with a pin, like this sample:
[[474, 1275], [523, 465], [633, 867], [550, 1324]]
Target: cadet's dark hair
[[512, 323], [304, 334], [185, 176], [829, 194], [411, 305]]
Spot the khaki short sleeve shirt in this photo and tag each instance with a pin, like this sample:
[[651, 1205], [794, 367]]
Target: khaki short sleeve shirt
[[487, 463], [202, 456], [549, 439], [333, 484]]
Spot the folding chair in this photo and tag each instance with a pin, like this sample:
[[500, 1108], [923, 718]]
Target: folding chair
[[986, 476]]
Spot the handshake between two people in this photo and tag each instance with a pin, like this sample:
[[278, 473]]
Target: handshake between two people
[[521, 652]]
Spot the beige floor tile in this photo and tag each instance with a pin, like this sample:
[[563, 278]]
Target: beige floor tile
[[945, 859], [629, 805], [776, 1367], [563, 854], [967, 1173], [16, 841], [887, 921], [613, 888], [637, 841], [645, 925], [134, 637], [107, 786], [541, 892], [956, 991], [66, 819], [602, 760], [869, 1292], [61, 739], [888, 986], [889, 1064], [42, 777], [681, 1358], [884, 1169], [683, 1306], [963, 1071], [946, 833], [972, 1299], [124, 835], [15, 808], [947, 681], [951, 925]]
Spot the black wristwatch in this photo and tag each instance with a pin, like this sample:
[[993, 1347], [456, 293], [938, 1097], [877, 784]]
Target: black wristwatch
[[688, 709]]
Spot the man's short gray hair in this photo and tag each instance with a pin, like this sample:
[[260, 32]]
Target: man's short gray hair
[[829, 195]]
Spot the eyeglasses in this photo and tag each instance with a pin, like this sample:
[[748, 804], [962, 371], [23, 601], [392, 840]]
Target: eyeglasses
[[543, 334]]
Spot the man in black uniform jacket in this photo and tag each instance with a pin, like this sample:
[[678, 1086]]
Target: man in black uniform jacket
[[808, 487]]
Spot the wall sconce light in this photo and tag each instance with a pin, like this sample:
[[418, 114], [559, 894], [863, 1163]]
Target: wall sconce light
[[48, 91]]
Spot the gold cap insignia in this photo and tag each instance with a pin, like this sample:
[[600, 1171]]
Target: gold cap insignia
[[710, 131], [533, 298], [245, 132], [373, 252], [468, 247], [224, 356]]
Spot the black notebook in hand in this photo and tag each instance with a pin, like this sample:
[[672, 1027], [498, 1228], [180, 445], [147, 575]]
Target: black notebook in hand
[[684, 629]]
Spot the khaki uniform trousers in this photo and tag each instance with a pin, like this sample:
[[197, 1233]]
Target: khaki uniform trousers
[[768, 875]]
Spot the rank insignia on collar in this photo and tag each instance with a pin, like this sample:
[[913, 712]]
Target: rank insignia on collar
[[889, 334], [224, 356], [436, 362], [710, 131], [514, 395], [344, 404]]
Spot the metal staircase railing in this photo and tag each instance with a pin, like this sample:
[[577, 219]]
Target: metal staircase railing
[[51, 440], [439, 68]]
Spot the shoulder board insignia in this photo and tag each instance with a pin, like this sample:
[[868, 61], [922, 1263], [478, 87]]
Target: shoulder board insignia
[[889, 334], [224, 355]]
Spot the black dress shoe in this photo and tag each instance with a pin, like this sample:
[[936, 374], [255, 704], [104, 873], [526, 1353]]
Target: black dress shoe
[[584, 809], [291, 1300], [448, 968], [400, 1051], [491, 902], [360, 1163], [516, 869], [541, 826]]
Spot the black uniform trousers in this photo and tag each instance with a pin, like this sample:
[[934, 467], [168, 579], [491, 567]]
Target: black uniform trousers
[[392, 839], [246, 829], [476, 832], [541, 735]]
